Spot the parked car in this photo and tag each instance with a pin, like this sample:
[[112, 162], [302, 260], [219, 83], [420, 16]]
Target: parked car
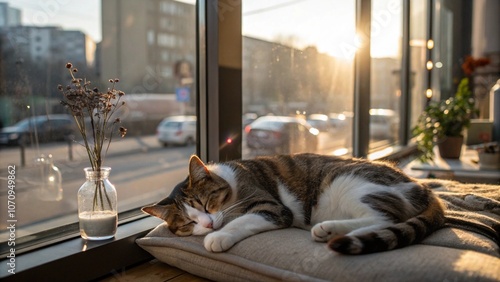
[[281, 135], [248, 118], [57, 127], [320, 122], [341, 121], [383, 124], [177, 130]]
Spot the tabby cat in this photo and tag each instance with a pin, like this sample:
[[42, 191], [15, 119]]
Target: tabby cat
[[355, 205]]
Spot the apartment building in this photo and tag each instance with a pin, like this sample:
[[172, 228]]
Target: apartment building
[[160, 34]]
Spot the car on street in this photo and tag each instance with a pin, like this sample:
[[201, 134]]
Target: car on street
[[177, 130], [383, 124], [43, 128], [248, 118], [320, 122], [269, 135]]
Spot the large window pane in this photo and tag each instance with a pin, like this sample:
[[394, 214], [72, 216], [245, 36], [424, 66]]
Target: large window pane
[[418, 59], [442, 53], [298, 76], [149, 45], [386, 54]]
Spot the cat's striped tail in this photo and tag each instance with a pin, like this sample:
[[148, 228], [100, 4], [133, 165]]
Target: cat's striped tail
[[399, 235]]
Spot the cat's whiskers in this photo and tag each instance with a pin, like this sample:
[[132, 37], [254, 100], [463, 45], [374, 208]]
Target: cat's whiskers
[[222, 213]]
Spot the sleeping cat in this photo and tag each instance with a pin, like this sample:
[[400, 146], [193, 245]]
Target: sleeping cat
[[355, 205]]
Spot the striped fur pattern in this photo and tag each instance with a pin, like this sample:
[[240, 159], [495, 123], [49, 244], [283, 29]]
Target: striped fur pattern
[[356, 206]]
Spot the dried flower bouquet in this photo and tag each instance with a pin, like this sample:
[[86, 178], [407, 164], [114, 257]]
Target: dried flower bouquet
[[95, 116]]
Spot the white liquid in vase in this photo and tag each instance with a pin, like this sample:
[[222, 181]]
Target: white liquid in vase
[[98, 225]]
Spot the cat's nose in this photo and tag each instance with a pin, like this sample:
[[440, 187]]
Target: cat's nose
[[209, 225]]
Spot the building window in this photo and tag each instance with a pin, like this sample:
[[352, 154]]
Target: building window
[[166, 71], [167, 40], [165, 56], [151, 37], [164, 6]]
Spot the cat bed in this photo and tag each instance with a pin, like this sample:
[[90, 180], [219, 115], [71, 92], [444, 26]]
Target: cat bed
[[459, 252]]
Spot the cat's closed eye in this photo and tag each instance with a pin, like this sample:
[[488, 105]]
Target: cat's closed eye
[[226, 197], [189, 223], [185, 230], [197, 199]]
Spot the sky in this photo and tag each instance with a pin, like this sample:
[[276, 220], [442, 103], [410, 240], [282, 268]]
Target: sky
[[326, 24], [84, 15]]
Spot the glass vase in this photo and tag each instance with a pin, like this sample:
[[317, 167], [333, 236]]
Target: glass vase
[[49, 178], [97, 208]]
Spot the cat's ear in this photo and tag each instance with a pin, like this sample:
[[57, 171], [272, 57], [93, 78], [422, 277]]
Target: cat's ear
[[197, 169], [157, 210]]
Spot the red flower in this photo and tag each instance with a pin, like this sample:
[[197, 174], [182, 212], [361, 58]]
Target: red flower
[[470, 64]]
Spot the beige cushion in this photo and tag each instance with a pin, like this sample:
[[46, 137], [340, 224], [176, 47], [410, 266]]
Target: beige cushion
[[291, 255]]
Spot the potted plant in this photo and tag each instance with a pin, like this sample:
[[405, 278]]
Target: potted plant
[[95, 114], [442, 123]]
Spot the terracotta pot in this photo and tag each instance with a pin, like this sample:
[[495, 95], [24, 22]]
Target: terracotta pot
[[451, 147]]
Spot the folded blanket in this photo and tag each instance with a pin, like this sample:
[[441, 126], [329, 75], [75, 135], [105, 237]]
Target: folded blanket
[[469, 207]]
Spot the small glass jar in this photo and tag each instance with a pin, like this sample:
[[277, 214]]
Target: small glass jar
[[97, 207], [49, 179]]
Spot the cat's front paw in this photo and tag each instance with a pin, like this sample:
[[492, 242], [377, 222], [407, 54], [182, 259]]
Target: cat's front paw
[[219, 241], [321, 233]]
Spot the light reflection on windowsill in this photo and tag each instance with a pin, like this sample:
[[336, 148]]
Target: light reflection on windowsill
[[381, 153]]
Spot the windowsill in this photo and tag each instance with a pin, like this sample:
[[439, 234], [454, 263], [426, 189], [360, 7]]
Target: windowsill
[[393, 153], [77, 259], [464, 169]]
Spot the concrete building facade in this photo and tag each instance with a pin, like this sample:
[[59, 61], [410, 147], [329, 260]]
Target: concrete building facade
[[143, 41]]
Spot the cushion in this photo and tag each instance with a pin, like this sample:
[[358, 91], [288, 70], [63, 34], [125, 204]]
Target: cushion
[[450, 254], [291, 255]]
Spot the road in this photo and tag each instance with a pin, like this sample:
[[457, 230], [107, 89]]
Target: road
[[142, 171]]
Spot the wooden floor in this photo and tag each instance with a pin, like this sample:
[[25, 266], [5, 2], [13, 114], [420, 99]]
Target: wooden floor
[[153, 271]]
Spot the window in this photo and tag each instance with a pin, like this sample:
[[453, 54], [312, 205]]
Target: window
[[418, 57], [442, 52], [123, 45], [166, 71], [165, 55], [385, 94], [297, 74], [151, 37]]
